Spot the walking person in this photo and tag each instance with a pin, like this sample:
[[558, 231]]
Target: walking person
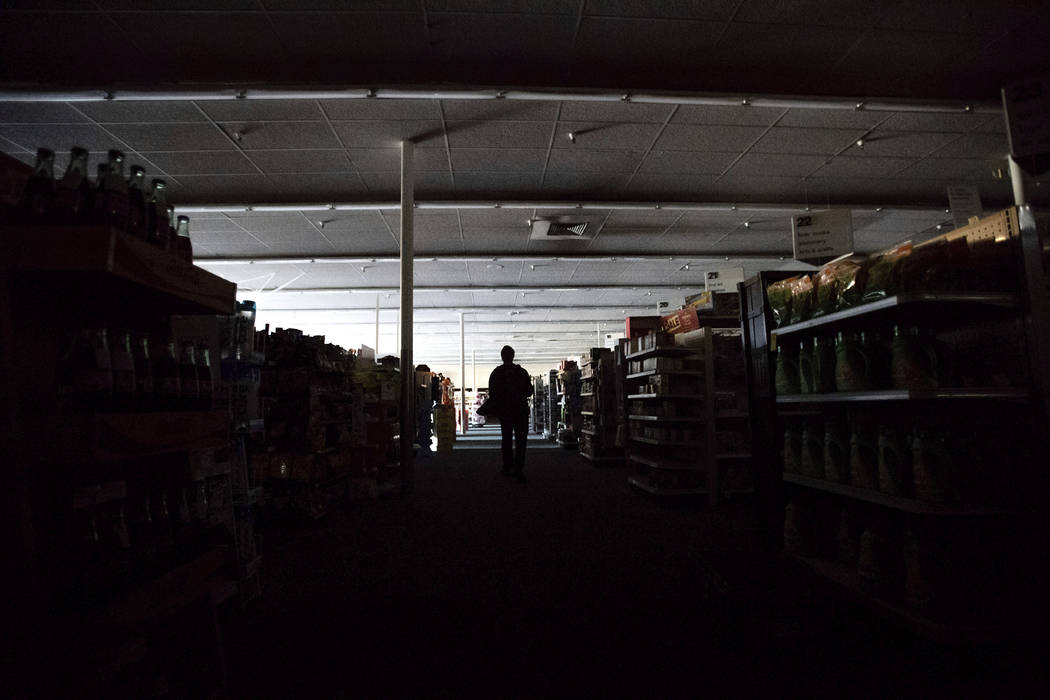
[[509, 390]]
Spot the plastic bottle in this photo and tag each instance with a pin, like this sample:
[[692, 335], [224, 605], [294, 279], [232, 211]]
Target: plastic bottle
[[93, 377]]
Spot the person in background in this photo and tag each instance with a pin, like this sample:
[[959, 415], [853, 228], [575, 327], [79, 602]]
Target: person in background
[[509, 390]]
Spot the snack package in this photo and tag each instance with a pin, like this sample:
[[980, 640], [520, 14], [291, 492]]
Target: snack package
[[779, 296], [802, 299], [883, 275], [831, 281]]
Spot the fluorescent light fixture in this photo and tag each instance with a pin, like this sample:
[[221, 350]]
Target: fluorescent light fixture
[[263, 94], [438, 94], [176, 96], [291, 207], [366, 206], [29, 96], [564, 96]]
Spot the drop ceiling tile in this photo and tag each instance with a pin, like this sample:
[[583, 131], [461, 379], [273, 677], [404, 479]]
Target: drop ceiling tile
[[718, 10], [636, 113], [496, 241], [498, 159], [806, 141], [215, 189], [579, 185], [500, 110], [364, 242], [663, 186], [388, 183], [214, 226], [640, 220], [186, 5], [59, 138], [501, 134], [589, 214], [262, 110], [39, 113], [636, 137], [142, 112], [312, 187], [779, 165], [832, 118], [726, 115], [900, 144], [760, 188], [976, 145], [994, 124], [707, 222], [518, 185], [948, 169], [876, 191], [389, 134], [748, 243], [686, 45], [671, 162], [220, 239], [426, 221], [376, 159], [581, 161], [928, 55], [943, 122], [201, 162], [237, 251], [306, 161], [683, 137], [274, 135], [961, 15], [171, 137], [849, 166], [382, 109], [474, 220], [849, 13]]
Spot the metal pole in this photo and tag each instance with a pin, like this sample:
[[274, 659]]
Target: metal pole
[[474, 370], [377, 328], [462, 377], [1017, 180], [408, 375]]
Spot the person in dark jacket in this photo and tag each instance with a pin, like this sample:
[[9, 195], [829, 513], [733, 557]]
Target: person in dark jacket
[[509, 390]]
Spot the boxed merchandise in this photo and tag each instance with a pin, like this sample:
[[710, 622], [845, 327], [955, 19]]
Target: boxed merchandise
[[638, 326], [680, 321]]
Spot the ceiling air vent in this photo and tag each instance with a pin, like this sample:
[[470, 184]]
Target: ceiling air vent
[[559, 230]]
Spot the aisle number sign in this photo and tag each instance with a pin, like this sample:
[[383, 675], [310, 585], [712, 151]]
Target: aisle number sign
[[724, 280], [820, 236], [1027, 107]]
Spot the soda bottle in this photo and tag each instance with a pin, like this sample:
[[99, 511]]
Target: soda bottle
[[137, 203], [38, 197], [204, 383], [93, 378], [166, 378], [183, 245], [123, 364], [158, 226], [111, 197], [188, 383], [144, 395], [73, 192]]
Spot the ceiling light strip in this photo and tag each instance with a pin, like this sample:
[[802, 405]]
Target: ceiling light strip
[[351, 93], [695, 260]]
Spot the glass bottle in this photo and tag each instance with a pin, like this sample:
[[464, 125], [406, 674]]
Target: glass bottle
[[111, 198], [136, 186], [144, 394], [93, 377], [38, 197], [157, 224], [123, 365], [166, 382], [204, 384], [188, 383], [183, 246], [73, 192]]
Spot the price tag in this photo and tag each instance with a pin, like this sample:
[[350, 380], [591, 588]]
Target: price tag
[[1027, 107], [822, 235]]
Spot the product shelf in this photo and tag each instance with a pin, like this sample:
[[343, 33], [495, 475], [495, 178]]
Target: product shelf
[[1005, 394], [932, 303], [644, 485], [695, 397], [651, 372], [103, 260], [666, 443], [908, 505], [586, 393], [665, 463], [667, 419], [667, 350]]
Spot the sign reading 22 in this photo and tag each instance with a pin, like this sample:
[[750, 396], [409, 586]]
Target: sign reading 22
[[803, 221]]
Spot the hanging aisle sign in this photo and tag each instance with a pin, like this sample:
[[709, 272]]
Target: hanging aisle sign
[[724, 280], [965, 202], [1027, 107], [820, 236]]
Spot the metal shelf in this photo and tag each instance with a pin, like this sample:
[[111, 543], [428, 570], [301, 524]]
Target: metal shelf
[[999, 299], [665, 463], [584, 431], [733, 455], [667, 443], [592, 458], [641, 483], [668, 419], [664, 349], [651, 372], [908, 505], [699, 397], [1009, 394], [588, 393], [586, 413]]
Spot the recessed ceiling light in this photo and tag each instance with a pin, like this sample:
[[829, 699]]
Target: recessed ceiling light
[[860, 143]]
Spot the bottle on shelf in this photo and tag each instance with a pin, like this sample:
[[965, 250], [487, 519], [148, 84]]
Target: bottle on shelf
[[166, 384], [73, 191], [38, 197], [158, 226], [183, 246], [188, 382], [93, 376], [111, 197], [204, 383], [144, 393], [123, 364], [136, 187]]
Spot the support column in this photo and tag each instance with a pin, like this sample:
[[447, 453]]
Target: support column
[[377, 328], [463, 378], [474, 370], [1017, 181], [408, 375]]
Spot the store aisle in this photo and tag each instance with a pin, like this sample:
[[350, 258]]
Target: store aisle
[[572, 583]]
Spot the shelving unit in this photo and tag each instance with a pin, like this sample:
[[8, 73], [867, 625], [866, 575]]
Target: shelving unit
[[120, 519], [598, 434], [684, 410], [921, 498]]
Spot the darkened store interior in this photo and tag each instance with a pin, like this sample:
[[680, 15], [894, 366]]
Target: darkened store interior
[[775, 272]]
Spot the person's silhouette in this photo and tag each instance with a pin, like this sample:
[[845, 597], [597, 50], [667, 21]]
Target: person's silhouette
[[509, 390]]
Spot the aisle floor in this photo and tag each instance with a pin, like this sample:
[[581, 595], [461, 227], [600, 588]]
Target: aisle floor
[[572, 583]]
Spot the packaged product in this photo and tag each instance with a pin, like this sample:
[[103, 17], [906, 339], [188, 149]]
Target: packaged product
[[894, 461], [802, 299], [786, 377], [813, 451], [883, 274], [831, 281], [779, 295]]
